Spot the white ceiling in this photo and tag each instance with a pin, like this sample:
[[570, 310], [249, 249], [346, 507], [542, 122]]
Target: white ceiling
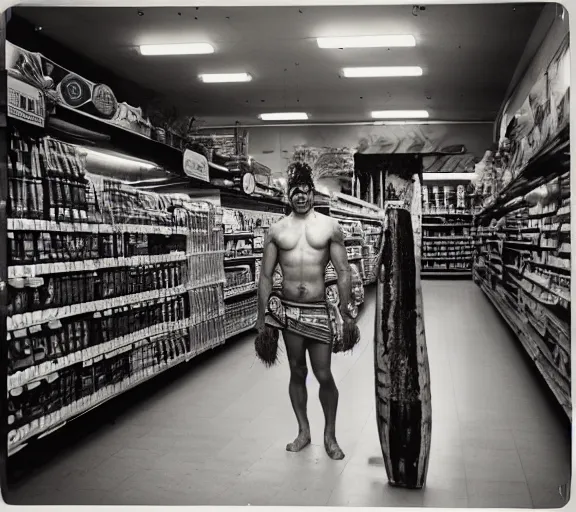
[[468, 53]]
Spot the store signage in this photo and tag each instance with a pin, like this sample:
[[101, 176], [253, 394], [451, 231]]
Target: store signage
[[195, 165], [248, 183], [26, 102]]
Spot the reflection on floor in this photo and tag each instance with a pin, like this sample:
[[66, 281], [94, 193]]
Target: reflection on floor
[[217, 435]]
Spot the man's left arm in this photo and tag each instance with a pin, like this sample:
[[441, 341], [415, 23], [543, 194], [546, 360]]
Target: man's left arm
[[339, 258]]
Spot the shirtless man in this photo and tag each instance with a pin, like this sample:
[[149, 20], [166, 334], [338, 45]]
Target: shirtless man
[[303, 243]]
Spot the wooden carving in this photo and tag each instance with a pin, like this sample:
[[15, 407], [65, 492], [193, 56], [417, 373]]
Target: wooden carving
[[403, 401]]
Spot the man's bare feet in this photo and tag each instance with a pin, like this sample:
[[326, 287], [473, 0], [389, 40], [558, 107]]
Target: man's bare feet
[[332, 449], [300, 442]]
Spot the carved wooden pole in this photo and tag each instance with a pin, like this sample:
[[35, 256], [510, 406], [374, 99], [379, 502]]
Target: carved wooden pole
[[403, 401]]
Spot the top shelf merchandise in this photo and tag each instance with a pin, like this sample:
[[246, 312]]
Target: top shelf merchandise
[[39, 96], [534, 145]]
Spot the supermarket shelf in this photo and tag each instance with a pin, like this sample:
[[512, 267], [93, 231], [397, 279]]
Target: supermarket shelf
[[558, 383], [535, 173], [447, 176], [238, 236], [521, 243], [453, 214], [239, 291], [47, 425], [355, 201], [424, 226], [68, 227], [109, 349], [448, 238], [552, 268], [240, 331], [545, 288], [128, 142], [447, 258], [242, 259], [521, 230], [25, 320], [445, 273], [41, 269], [359, 216]]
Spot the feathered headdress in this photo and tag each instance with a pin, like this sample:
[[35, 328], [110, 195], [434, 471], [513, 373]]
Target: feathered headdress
[[300, 173]]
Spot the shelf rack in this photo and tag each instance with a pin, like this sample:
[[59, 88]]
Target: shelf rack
[[523, 266], [549, 162], [447, 241]]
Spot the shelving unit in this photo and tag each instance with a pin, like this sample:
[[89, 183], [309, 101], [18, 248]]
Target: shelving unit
[[247, 226], [108, 286], [363, 224], [447, 225], [522, 262]]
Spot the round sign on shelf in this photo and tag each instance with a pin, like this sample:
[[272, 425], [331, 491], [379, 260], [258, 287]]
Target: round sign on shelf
[[248, 183]]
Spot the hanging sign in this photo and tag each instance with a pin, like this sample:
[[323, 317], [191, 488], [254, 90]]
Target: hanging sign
[[248, 183], [195, 165], [25, 102]]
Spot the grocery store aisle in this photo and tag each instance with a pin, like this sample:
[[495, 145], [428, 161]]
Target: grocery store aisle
[[216, 436]]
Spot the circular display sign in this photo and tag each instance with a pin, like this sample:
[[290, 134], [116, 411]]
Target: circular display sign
[[248, 183]]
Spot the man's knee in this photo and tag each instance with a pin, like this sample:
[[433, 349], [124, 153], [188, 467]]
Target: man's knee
[[298, 370], [324, 376]]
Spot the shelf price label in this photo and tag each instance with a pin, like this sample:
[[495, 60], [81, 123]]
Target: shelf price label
[[195, 165], [25, 102]]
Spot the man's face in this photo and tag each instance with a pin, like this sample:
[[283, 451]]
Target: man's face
[[301, 198]]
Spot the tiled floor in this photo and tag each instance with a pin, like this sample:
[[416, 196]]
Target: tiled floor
[[217, 436]]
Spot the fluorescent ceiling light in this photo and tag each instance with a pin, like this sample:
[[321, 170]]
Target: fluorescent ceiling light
[[399, 114], [176, 49], [225, 77], [402, 123], [382, 71], [389, 41], [286, 116]]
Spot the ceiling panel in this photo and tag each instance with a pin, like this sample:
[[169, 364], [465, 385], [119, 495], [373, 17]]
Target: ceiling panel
[[468, 54]]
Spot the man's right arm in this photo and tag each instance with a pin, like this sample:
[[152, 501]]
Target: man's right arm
[[269, 261]]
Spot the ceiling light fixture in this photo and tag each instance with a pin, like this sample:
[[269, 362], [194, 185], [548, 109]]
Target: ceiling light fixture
[[286, 116], [220, 78], [177, 49], [400, 123], [388, 41], [382, 71], [400, 114]]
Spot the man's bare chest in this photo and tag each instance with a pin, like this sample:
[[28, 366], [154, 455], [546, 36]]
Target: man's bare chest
[[308, 237]]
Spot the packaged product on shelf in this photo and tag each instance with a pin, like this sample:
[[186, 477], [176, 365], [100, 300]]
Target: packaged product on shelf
[[425, 199], [436, 195], [461, 197]]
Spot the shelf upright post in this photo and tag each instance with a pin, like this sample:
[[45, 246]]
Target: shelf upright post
[[3, 248]]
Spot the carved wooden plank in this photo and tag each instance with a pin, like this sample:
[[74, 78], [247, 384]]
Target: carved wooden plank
[[403, 400]]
